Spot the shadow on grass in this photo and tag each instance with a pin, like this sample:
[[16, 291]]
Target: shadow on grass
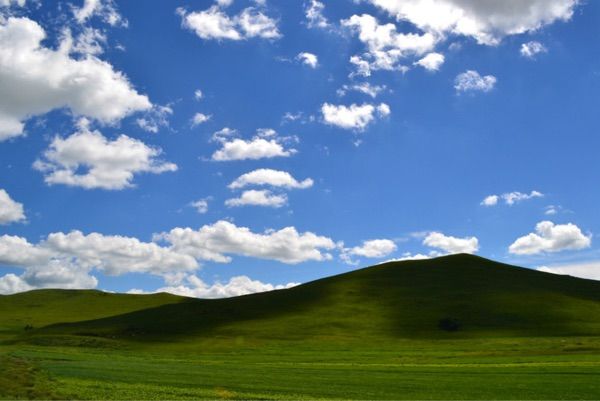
[[395, 300]]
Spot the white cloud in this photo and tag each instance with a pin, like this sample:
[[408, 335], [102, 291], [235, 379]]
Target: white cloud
[[223, 135], [89, 160], [451, 244], [200, 118], [59, 274], [385, 46], [67, 260], [587, 270], [256, 24], [470, 81], [105, 9], [155, 118], [116, 255], [516, 197], [416, 256], [8, 3], [270, 177], [224, 3], [355, 117], [363, 87], [511, 198], [532, 49], [432, 61], [376, 248], [214, 242], [262, 197], [266, 144], [552, 210], [491, 200], [214, 24], [53, 80], [201, 205], [11, 284], [17, 251], [550, 237], [314, 15], [308, 59], [486, 21], [90, 41], [10, 211], [198, 95], [193, 286]]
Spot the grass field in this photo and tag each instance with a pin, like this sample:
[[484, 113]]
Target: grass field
[[458, 327]]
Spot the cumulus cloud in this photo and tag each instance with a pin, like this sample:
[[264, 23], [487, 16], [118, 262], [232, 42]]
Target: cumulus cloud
[[375, 248], [274, 178], [314, 15], [550, 237], [363, 87], [53, 80], [308, 59], [193, 286], [485, 21], [89, 160], [451, 244], [66, 260], [491, 200], [416, 256], [104, 9], [432, 61], [11, 284], [200, 118], [155, 118], [214, 24], [266, 144], [510, 198], [587, 270], [10, 211], [262, 197], [472, 81], [8, 3], [355, 117], [201, 205], [90, 41], [215, 242], [386, 47], [532, 49]]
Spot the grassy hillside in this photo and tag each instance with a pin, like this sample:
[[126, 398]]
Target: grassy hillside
[[35, 309], [448, 297], [458, 327]]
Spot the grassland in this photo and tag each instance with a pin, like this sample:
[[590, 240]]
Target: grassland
[[458, 327]]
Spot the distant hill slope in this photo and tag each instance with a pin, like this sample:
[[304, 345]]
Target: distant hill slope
[[43, 307], [452, 296]]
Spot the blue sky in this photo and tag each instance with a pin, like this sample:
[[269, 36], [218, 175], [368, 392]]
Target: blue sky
[[219, 148]]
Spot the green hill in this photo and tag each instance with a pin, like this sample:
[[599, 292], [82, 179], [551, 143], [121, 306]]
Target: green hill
[[457, 327], [448, 297]]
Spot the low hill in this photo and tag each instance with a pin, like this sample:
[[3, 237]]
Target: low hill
[[447, 297], [39, 308]]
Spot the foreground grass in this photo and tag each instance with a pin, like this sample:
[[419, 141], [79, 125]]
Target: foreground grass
[[510, 368]]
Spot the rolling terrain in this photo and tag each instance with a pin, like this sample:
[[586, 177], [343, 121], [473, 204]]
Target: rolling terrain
[[456, 327]]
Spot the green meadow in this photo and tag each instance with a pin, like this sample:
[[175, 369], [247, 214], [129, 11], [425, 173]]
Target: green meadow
[[458, 327]]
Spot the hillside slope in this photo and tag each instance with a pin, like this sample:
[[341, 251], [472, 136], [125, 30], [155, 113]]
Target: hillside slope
[[44, 307], [452, 296]]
